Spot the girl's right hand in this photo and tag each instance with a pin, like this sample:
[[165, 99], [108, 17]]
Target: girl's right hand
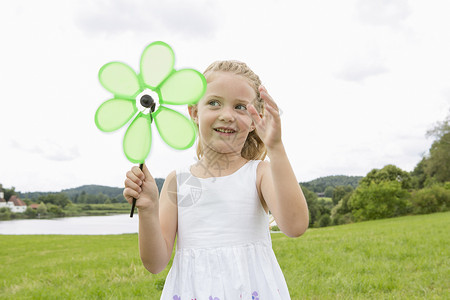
[[141, 185]]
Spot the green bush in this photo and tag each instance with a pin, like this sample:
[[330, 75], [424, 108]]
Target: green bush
[[275, 228], [30, 213], [5, 213], [340, 192], [429, 200], [72, 210], [324, 221], [55, 210], [341, 213], [379, 200], [341, 219], [42, 209]]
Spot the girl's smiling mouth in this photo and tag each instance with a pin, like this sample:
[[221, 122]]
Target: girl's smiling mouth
[[224, 130]]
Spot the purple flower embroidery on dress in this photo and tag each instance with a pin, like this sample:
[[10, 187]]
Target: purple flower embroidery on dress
[[176, 297], [215, 298], [255, 295]]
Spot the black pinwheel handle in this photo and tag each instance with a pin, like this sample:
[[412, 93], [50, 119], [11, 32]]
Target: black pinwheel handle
[[134, 200]]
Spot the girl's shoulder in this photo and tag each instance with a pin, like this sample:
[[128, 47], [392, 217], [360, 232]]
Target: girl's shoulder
[[171, 181], [261, 170], [263, 167]]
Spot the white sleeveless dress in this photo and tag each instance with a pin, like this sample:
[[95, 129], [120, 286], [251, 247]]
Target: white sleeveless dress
[[224, 250]]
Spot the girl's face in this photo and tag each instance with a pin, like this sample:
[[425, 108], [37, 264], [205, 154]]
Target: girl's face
[[221, 114]]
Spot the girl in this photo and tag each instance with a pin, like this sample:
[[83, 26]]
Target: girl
[[218, 208]]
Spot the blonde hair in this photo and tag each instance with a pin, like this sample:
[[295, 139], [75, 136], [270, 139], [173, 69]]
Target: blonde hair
[[254, 147]]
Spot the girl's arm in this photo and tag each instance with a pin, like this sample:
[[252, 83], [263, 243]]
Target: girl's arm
[[157, 219], [278, 186], [282, 193]]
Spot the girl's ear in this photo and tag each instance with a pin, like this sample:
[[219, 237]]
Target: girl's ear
[[193, 112]]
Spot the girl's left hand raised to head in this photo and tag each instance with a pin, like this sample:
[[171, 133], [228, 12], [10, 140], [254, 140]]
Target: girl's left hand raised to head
[[269, 126]]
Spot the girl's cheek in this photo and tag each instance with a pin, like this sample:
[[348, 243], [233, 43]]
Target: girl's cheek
[[246, 121]]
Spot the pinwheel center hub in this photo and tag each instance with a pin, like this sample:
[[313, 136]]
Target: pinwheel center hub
[[147, 102]]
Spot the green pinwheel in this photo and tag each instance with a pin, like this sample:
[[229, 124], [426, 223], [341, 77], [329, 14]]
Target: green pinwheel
[[158, 82], [157, 79]]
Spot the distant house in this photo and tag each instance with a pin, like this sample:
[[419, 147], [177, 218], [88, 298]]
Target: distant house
[[14, 204], [34, 206]]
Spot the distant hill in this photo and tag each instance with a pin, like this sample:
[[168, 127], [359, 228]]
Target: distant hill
[[320, 184], [111, 192]]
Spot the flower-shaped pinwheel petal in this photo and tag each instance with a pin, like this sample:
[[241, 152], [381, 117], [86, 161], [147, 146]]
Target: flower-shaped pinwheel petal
[[138, 139], [180, 139], [122, 110], [119, 79], [173, 87], [183, 87], [157, 63]]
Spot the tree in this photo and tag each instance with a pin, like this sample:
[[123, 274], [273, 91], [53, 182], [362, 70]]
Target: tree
[[381, 200], [30, 212], [5, 213], [55, 210], [339, 192], [313, 206], [387, 174], [324, 220], [341, 213], [9, 193], [432, 199], [329, 191], [323, 217], [440, 129], [116, 200], [42, 209], [317, 208], [418, 175], [437, 165], [60, 199], [101, 198], [82, 198], [381, 194]]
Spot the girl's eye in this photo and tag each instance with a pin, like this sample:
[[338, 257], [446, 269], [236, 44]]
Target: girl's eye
[[213, 103], [241, 107]]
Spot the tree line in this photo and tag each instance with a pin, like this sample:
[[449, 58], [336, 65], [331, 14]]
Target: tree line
[[83, 200], [389, 191]]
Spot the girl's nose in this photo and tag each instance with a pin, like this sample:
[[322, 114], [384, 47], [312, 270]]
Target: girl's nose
[[227, 115]]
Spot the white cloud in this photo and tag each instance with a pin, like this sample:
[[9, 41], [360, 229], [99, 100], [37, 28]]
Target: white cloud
[[193, 19], [383, 12], [361, 65], [360, 71], [48, 149]]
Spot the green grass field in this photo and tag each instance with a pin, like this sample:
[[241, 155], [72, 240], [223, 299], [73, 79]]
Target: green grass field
[[401, 258]]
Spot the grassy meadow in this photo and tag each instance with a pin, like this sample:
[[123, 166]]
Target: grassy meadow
[[400, 258]]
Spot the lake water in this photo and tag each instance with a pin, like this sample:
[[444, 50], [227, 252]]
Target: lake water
[[116, 224]]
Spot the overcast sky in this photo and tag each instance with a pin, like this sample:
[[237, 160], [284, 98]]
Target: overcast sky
[[359, 82]]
